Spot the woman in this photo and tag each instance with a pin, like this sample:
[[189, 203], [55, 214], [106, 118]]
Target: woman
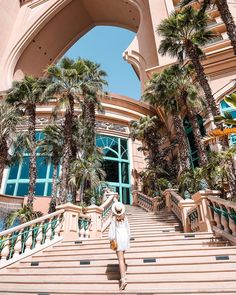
[[120, 232]]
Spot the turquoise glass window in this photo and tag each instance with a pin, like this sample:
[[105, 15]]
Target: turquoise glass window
[[194, 158], [227, 108], [116, 165]]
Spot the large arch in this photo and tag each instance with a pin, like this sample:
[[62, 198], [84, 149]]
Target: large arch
[[47, 28]]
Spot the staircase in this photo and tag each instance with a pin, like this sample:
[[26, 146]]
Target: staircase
[[161, 260]]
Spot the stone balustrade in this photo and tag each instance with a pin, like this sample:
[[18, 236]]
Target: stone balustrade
[[84, 222], [173, 201], [24, 239], [223, 217], [148, 203], [193, 217], [69, 222], [204, 212]]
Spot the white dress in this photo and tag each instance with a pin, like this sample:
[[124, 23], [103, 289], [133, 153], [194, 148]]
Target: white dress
[[120, 231]]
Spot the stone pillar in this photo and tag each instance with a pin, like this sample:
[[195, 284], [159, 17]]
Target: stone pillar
[[135, 198], [70, 229], [155, 202], [184, 206], [95, 213], [167, 196]]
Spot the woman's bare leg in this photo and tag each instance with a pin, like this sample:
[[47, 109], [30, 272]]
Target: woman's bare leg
[[121, 259]]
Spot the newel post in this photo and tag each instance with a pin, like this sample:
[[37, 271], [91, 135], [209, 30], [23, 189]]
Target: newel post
[[167, 195], [70, 226], [185, 206], [201, 198], [135, 198], [95, 213]]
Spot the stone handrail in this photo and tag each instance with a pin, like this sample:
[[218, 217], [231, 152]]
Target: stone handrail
[[148, 203], [173, 201], [223, 217], [23, 239]]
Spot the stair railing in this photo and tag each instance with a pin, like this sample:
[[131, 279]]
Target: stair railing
[[193, 219], [24, 239], [223, 217], [148, 203]]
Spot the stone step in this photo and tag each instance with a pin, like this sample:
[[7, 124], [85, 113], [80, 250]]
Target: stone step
[[162, 292], [132, 278], [132, 269], [141, 248], [164, 261], [134, 244], [158, 237], [139, 287], [201, 252]]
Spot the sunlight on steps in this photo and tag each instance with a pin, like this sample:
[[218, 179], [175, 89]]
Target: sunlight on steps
[[162, 260]]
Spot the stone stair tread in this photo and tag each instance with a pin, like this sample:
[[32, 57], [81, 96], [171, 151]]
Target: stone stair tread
[[138, 287], [113, 277]]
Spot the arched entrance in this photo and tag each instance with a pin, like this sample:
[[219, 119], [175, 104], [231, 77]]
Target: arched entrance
[[46, 29]]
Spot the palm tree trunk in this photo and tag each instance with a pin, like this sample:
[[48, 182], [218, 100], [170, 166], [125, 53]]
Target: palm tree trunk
[[227, 18], [2, 167], [53, 203], [3, 158], [202, 79], [183, 144], [92, 124], [230, 171], [89, 118], [198, 138], [65, 169], [32, 168]]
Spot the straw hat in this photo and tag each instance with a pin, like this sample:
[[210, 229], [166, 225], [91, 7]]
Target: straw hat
[[118, 208]]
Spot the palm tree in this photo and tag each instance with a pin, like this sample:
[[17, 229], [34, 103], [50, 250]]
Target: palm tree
[[92, 86], [25, 95], [183, 33], [9, 118], [65, 88], [23, 215], [226, 16], [87, 174], [51, 146], [161, 93], [187, 93]]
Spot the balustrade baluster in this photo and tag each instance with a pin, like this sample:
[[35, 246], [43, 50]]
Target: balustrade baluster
[[5, 246], [49, 231], [28, 240], [39, 235], [217, 217], [57, 227], [17, 246], [232, 220], [224, 219]]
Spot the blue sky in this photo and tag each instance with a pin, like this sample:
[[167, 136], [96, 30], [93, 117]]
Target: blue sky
[[105, 46]]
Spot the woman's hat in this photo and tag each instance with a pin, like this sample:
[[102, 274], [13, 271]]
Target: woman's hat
[[118, 208]]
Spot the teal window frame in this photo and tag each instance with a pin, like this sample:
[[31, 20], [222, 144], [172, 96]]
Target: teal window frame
[[194, 157], [120, 160]]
